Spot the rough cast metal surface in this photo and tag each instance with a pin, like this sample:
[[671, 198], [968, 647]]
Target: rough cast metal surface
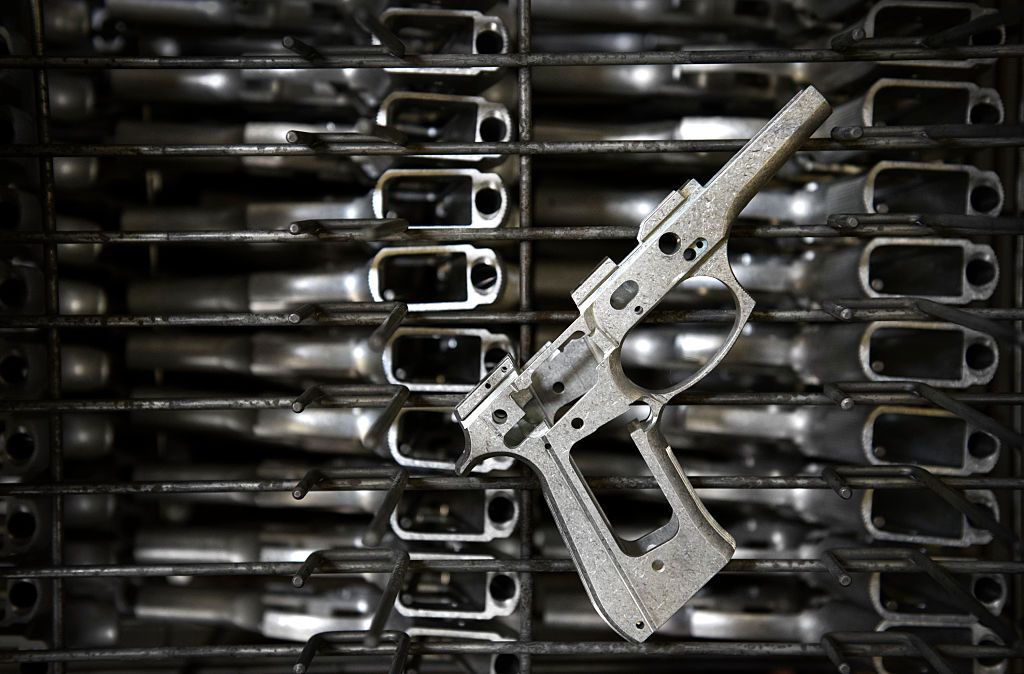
[[575, 384]]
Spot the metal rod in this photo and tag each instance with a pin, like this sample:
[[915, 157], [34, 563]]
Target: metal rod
[[525, 499], [515, 60], [358, 318], [907, 142], [451, 483], [326, 567], [981, 225], [52, 304], [747, 649], [342, 401]]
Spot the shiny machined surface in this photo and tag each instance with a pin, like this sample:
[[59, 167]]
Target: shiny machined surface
[[255, 253]]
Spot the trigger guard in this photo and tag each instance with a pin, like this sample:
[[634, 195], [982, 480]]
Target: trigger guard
[[717, 267]]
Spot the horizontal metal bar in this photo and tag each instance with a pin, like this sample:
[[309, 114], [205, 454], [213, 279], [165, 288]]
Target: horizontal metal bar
[[357, 318], [366, 398], [908, 142], [452, 483], [735, 566], [737, 649], [459, 234], [364, 60]]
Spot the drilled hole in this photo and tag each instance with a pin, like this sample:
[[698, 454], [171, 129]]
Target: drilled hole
[[984, 199], [499, 416], [483, 276], [21, 525], [984, 113], [558, 387], [492, 130], [14, 369], [668, 243], [981, 445], [506, 663], [488, 201], [577, 423], [20, 446], [23, 595], [489, 42], [987, 589], [624, 294], [13, 292], [689, 254], [501, 509], [658, 565], [502, 587], [980, 272], [980, 356]]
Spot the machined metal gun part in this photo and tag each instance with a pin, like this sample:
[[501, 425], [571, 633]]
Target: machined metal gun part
[[443, 359], [284, 614], [938, 354], [428, 278], [24, 440], [464, 596], [887, 187], [917, 267], [899, 597], [452, 31], [905, 102], [418, 358], [72, 97], [25, 522], [687, 128], [324, 430], [903, 20], [22, 291], [467, 517], [438, 197], [887, 517], [453, 516], [429, 438], [425, 198], [772, 610], [936, 440], [221, 14], [913, 517], [916, 517], [267, 543], [466, 276], [23, 368], [420, 116], [971, 634], [765, 16], [425, 117], [575, 384], [340, 91], [357, 170]]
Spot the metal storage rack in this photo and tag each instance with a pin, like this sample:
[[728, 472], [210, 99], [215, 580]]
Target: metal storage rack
[[1007, 402]]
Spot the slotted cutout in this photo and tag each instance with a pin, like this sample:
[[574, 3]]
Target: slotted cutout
[[661, 356], [639, 519]]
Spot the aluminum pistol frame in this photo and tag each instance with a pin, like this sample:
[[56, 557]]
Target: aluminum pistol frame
[[576, 384]]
